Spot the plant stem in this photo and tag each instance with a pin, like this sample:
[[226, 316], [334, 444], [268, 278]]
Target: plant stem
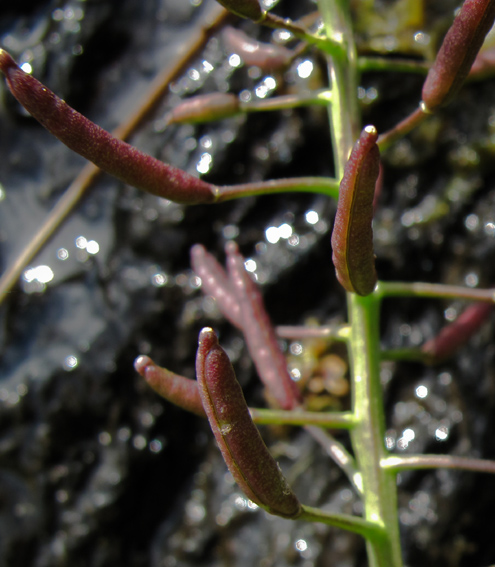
[[325, 185], [368, 433], [410, 462], [334, 420], [344, 521], [342, 69], [420, 289]]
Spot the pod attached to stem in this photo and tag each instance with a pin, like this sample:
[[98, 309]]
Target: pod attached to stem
[[242, 447], [112, 155], [457, 53], [352, 236]]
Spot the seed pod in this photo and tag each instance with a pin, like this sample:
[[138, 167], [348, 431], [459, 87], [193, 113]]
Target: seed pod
[[204, 108], [266, 56], [179, 390], [249, 9], [215, 282], [259, 333], [352, 236], [456, 334], [242, 447], [95, 144], [458, 52]]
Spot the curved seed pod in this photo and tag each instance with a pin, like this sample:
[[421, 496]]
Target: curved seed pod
[[458, 52], [97, 145], [242, 447], [259, 333], [456, 334], [266, 56], [204, 108], [352, 236], [179, 390], [215, 282], [249, 9]]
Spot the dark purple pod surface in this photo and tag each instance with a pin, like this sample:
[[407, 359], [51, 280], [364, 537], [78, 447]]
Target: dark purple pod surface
[[458, 52], [242, 447], [97, 145], [179, 390], [352, 236]]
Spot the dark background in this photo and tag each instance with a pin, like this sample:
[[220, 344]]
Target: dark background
[[95, 469]]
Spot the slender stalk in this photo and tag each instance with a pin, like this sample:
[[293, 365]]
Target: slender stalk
[[324, 185], [337, 420], [402, 129], [420, 289], [410, 462], [344, 521]]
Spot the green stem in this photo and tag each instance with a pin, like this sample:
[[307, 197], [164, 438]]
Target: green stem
[[324, 185], [351, 523], [342, 69], [337, 420], [379, 491], [368, 434], [409, 462]]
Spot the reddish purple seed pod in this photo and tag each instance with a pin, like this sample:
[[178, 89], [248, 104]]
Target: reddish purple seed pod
[[97, 145], [242, 447], [179, 390], [215, 282], [458, 52], [266, 56], [456, 334], [204, 108], [260, 335], [352, 236], [249, 9]]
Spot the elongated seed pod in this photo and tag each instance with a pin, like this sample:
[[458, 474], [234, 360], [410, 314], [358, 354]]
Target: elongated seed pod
[[97, 145], [260, 334], [249, 9], [456, 334], [242, 447], [204, 108], [458, 52], [266, 56], [215, 282], [179, 390], [352, 236]]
